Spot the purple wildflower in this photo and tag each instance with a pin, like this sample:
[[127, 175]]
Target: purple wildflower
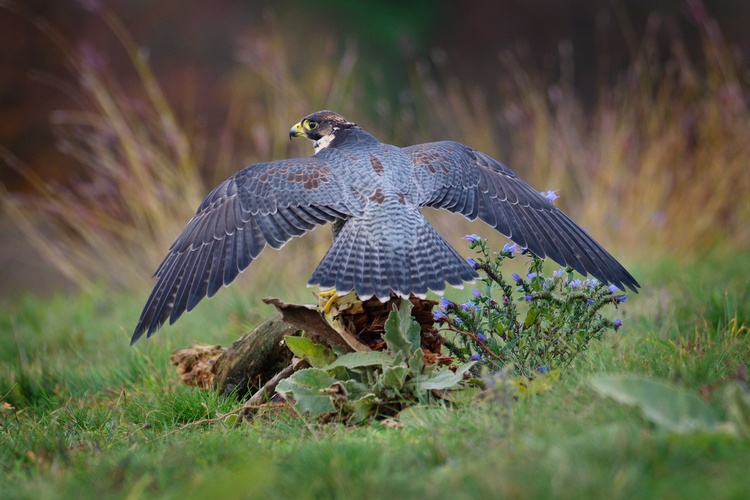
[[558, 273], [612, 289], [481, 337], [474, 264], [575, 284], [472, 238], [590, 302], [445, 304], [476, 293], [516, 278], [531, 276], [592, 283], [528, 298], [617, 323], [544, 369], [510, 247], [550, 195], [439, 316], [476, 357], [467, 306], [506, 300], [622, 298]]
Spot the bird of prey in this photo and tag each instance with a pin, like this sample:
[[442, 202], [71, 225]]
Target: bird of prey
[[371, 192]]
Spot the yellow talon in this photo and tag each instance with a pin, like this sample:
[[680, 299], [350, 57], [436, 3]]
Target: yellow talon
[[332, 297]]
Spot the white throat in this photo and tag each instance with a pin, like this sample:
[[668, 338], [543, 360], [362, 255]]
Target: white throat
[[323, 142]]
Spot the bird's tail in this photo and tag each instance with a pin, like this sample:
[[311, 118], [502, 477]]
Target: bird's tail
[[379, 255]]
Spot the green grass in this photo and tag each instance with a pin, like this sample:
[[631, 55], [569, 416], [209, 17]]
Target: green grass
[[95, 418]]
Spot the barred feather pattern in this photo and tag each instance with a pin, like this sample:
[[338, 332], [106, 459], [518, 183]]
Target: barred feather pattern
[[391, 251]]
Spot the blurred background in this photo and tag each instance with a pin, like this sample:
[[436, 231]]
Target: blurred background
[[118, 116]]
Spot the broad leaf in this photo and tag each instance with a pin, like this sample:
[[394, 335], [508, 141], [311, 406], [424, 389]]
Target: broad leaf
[[661, 402], [317, 355], [402, 333], [360, 359], [416, 363], [444, 379], [363, 408], [356, 389], [305, 387], [460, 396], [394, 377]]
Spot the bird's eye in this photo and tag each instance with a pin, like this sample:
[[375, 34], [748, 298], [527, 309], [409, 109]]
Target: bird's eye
[[312, 125]]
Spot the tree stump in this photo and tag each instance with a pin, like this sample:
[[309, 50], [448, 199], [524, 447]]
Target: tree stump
[[254, 358], [258, 360]]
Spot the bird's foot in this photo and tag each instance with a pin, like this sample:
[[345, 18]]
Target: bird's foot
[[332, 297]]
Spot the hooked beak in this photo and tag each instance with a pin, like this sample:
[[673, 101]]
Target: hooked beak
[[296, 131]]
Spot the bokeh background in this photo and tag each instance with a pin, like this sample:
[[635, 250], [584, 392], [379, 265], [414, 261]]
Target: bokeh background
[[118, 116]]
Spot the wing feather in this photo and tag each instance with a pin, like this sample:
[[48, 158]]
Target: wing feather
[[264, 204], [466, 181]]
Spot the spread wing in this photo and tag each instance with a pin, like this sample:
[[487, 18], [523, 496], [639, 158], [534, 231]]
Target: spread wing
[[466, 181], [264, 204]]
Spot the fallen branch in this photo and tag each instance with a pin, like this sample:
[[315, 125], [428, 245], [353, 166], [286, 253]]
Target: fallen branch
[[265, 392]]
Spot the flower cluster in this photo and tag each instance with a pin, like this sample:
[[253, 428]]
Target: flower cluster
[[535, 322]]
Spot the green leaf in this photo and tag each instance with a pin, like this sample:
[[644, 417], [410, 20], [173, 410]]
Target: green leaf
[[402, 333], [531, 317], [305, 387], [360, 359], [316, 354], [231, 420], [461, 396], [661, 402], [441, 380], [356, 389], [394, 377], [363, 408], [416, 363]]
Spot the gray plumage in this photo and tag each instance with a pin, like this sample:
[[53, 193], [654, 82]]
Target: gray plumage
[[372, 193]]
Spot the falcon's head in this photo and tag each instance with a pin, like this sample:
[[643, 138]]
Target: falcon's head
[[320, 127]]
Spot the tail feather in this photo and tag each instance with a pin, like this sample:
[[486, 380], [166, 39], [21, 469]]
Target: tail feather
[[380, 256]]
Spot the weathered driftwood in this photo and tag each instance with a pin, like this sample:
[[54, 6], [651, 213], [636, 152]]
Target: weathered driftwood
[[254, 358]]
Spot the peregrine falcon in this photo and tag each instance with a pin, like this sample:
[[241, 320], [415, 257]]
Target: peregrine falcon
[[371, 193]]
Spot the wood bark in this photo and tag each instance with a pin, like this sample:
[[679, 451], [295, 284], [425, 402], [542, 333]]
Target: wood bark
[[254, 358]]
